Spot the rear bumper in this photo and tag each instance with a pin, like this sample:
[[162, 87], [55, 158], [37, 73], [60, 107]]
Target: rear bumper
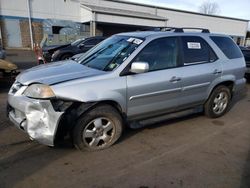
[[240, 87], [35, 117]]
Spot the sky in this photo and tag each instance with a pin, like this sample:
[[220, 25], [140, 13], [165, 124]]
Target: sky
[[229, 8]]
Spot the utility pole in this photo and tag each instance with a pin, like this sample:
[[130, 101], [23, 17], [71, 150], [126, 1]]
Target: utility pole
[[30, 25]]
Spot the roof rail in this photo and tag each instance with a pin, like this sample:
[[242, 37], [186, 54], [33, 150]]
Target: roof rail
[[203, 30], [181, 29]]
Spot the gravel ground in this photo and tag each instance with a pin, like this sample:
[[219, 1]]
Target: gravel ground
[[192, 151]]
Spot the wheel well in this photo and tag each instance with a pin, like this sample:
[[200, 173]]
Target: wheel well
[[76, 110], [113, 104], [229, 84], [67, 53]]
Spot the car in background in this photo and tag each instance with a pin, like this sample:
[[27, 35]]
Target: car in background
[[62, 52], [7, 68], [77, 56], [2, 53], [246, 53]]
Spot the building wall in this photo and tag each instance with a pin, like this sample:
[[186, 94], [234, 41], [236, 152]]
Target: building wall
[[72, 10], [215, 24], [86, 14], [37, 28], [128, 20], [234, 27], [42, 9], [23, 24]]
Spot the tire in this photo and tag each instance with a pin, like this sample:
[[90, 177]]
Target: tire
[[66, 56], [98, 129], [218, 103], [247, 76]]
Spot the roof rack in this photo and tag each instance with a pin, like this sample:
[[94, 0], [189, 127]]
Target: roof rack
[[181, 29]]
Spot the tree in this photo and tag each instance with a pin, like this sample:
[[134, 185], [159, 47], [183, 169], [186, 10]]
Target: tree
[[209, 7]]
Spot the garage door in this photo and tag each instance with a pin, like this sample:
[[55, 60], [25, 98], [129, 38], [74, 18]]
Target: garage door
[[13, 33]]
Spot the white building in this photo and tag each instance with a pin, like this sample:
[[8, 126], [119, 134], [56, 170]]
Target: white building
[[100, 17]]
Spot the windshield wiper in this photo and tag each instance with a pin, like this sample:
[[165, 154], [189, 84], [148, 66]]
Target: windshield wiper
[[94, 54]]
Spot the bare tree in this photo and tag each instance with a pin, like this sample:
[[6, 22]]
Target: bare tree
[[209, 7]]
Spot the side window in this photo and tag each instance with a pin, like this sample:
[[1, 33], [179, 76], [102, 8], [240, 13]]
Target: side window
[[196, 50], [160, 54], [228, 47]]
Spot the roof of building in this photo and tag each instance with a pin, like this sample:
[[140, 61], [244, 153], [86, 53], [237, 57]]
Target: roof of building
[[177, 10], [122, 12]]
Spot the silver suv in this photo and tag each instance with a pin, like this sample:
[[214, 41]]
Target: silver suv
[[128, 79]]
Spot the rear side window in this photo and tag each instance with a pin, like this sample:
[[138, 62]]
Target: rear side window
[[196, 50], [228, 47]]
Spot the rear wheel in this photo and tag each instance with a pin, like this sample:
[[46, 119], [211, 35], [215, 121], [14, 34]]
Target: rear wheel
[[98, 129], [218, 103]]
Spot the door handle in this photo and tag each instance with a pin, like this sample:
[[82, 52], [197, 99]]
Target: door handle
[[175, 79], [216, 71]]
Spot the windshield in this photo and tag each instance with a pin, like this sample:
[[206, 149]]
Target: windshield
[[76, 42], [110, 53]]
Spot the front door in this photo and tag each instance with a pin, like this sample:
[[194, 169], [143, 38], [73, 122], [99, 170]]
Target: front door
[[158, 90]]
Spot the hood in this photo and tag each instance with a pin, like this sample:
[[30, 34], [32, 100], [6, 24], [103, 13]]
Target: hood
[[56, 72], [53, 48]]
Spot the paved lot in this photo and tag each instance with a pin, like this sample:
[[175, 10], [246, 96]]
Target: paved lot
[[189, 152]]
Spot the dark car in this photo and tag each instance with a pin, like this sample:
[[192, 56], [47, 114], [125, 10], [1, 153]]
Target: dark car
[[2, 53], [246, 53], [62, 52]]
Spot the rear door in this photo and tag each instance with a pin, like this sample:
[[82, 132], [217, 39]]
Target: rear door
[[200, 68], [158, 90]]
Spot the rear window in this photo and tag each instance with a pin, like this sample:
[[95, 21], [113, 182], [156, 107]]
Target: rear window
[[196, 50], [228, 47]]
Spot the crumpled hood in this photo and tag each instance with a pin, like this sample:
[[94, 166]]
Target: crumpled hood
[[53, 48], [56, 72]]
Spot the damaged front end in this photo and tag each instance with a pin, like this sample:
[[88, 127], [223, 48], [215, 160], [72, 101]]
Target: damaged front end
[[38, 117]]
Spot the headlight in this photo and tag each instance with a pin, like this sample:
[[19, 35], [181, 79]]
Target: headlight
[[39, 91], [55, 54]]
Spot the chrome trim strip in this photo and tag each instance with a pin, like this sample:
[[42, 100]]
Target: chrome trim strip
[[154, 93], [195, 86]]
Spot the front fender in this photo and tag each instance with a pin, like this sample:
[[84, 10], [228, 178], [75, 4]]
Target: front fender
[[95, 89]]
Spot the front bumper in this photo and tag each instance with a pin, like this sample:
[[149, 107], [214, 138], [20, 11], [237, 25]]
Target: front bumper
[[47, 56], [35, 117]]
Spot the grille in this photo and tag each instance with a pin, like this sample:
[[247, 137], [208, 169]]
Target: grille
[[15, 87]]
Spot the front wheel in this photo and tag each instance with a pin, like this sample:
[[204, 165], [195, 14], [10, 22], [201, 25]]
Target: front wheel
[[218, 103], [98, 129], [66, 56]]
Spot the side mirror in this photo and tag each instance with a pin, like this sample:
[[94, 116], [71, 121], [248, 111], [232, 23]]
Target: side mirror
[[81, 45], [139, 67]]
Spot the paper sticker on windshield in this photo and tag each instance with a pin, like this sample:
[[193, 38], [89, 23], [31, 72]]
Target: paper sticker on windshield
[[135, 40], [194, 45], [138, 41], [131, 39]]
